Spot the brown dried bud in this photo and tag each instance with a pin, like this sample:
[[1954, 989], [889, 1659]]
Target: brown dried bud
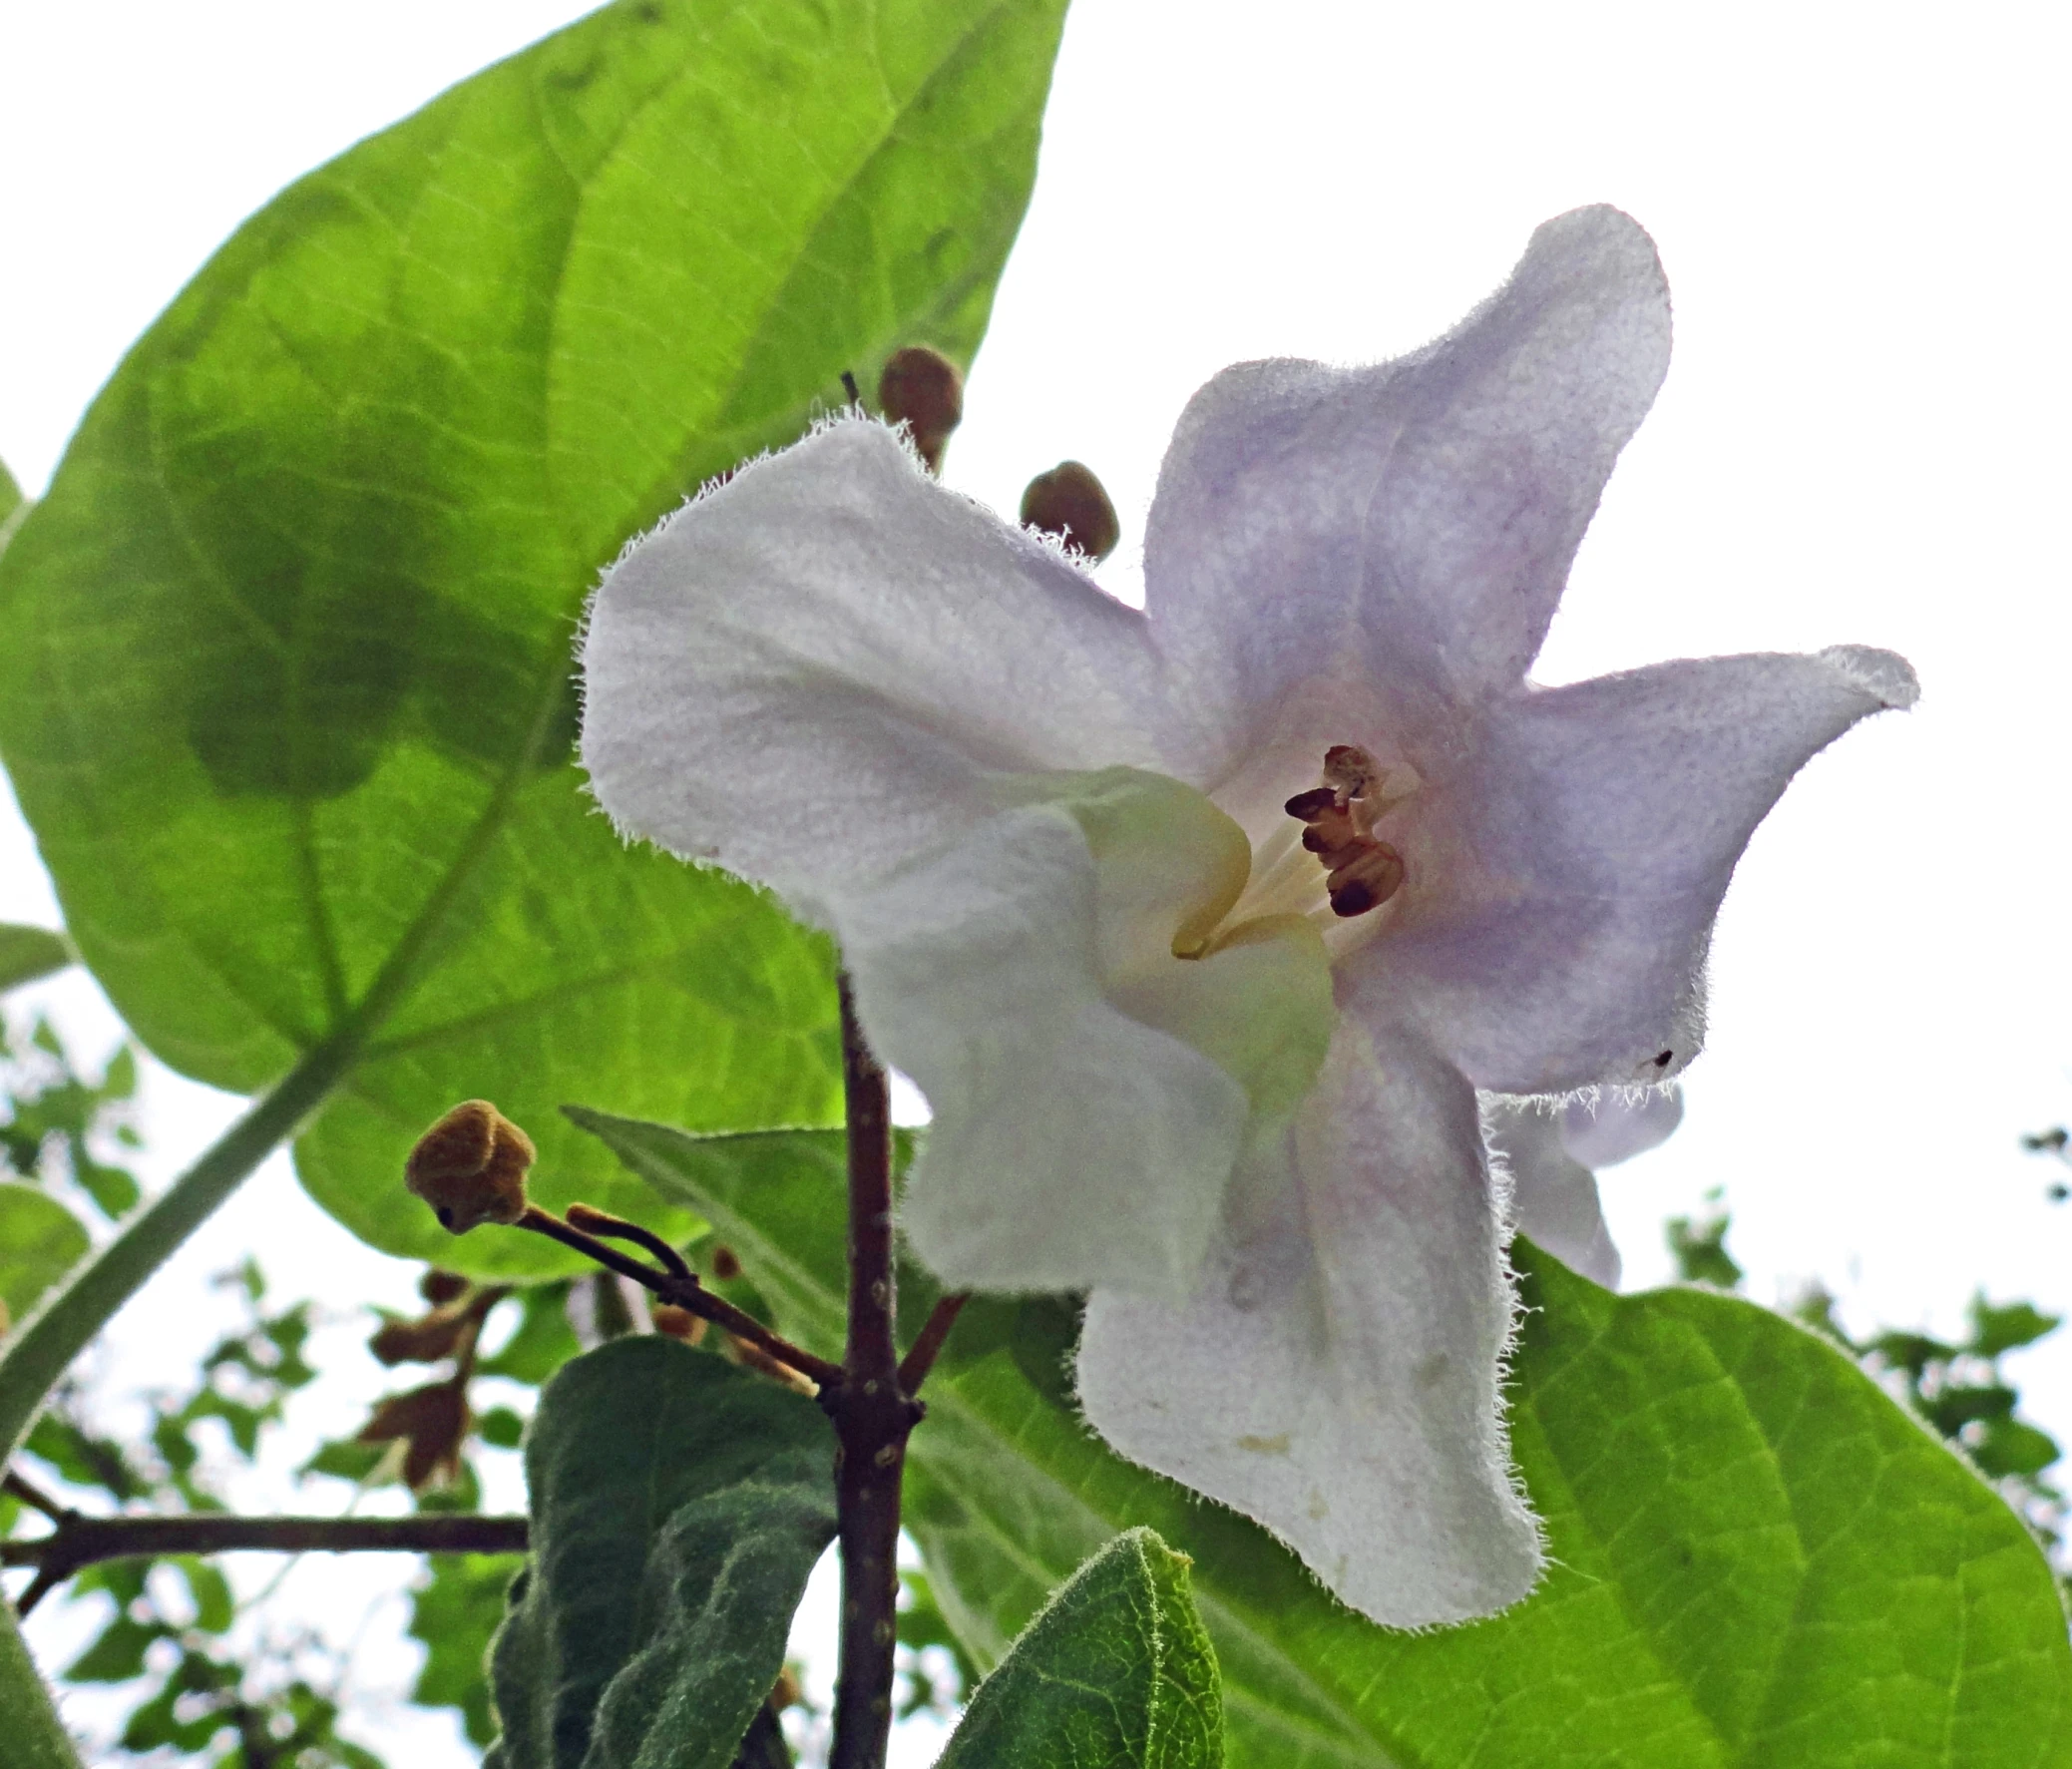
[[470, 1168], [441, 1287], [423, 1341], [922, 389], [726, 1264], [1071, 504], [677, 1323], [433, 1422]]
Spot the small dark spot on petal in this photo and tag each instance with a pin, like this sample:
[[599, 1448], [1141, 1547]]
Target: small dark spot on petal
[[1663, 1061]]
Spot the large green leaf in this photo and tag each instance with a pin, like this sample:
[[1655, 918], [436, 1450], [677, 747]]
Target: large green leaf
[[1115, 1672], [287, 693], [1756, 1559], [677, 1505], [40, 1241], [28, 952]]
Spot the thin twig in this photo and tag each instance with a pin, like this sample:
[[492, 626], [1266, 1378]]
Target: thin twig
[[32, 1496], [587, 1216], [872, 1419], [80, 1540], [686, 1293], [921, 1355]]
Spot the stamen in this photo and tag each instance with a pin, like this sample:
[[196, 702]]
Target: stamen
[[1362, 872]]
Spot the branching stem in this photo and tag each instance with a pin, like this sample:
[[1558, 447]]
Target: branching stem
[[928, 1343], [80, 1540], [686, 1294]]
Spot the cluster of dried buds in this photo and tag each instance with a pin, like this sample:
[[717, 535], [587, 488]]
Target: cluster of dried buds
[[432, 1423]]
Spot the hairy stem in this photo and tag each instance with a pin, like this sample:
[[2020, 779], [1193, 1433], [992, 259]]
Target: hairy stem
[[55, 1333], [872, 1418], [80, 1540]]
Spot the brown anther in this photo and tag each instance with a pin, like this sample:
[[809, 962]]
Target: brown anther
[[726, 1264], [677, 1323], [470, 1168], [922, 389], [1366, 879], [1309, 807], [441, 1287], [1071, 504]]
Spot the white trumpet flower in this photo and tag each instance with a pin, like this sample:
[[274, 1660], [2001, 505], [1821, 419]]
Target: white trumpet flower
[[1200, 927]]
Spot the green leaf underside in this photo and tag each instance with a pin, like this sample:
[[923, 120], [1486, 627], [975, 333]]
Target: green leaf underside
[[28, 952], [1115, 1672], [679, 1503], [1756, 1559], [40, 1241], [290, 701]]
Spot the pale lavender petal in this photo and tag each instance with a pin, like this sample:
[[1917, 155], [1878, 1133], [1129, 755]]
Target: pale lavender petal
[[1553, 1195], [1337, 1377], [805, 673], [1071, 1144], [1617, 1124], [1563, 879], [1410, 524]]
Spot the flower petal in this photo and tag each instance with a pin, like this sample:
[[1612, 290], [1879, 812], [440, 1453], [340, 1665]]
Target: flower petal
[[1413, 522], [1336, 1375], [1092, 1091], [1572, 865], [1553, 1196], [1616, 1125], [804, 674]]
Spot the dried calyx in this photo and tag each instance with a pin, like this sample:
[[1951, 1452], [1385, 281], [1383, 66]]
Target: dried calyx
[[922, 389], [1071, 504], [470, 1168]]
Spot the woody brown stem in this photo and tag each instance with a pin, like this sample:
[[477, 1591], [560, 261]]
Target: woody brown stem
[[928, 1344], [617, 1229], [686, 1294], [78, 1541], [872, 1415]]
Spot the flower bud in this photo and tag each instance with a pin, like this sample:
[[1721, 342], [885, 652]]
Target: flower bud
[[1071, 504], [441, 1287], [922, 389], [470, 1168], [677, 1323]]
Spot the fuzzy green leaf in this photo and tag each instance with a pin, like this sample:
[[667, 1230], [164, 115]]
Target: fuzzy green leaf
[[679, 1503], [287, 695], [1115, 1672], [1757, 1557]]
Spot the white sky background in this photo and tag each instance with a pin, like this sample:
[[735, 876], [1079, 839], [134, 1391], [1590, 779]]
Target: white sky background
[[1862, 210]]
